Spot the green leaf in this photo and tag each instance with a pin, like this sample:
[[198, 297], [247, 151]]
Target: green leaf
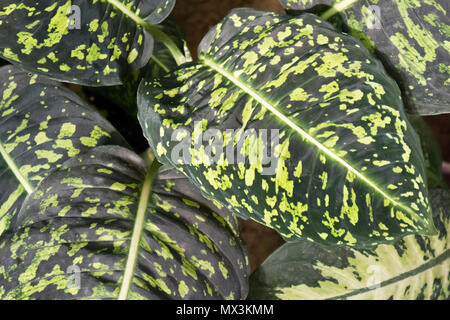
[[431, 152], [349, 167], [42, 124], [416, 267], [100, 215], [410, 37], [124, 96], [110, 38]]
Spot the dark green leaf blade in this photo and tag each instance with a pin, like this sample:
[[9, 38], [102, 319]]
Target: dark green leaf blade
[[82, 217], [161, 62], [42, 124], [108, 39], [349, 166], [410, 37], [431, 151], [414, 268]]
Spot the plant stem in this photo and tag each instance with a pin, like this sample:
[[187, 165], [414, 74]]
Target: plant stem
[[159, 35], [137, 230], [148, 156], [153, 30], [160, 63], [338, 7], [15, 170]]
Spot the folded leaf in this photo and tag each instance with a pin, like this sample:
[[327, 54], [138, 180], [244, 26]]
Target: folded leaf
[[42, 124], [411, 38], [87, 42], [345, 166], [416, 267], [85, 217]]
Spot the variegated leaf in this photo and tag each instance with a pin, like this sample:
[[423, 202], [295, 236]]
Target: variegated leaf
[[42, 124], [431, 151], [124, 96], [411, 37], [94, 42], [416, 267], [98, 216], [347, 168]]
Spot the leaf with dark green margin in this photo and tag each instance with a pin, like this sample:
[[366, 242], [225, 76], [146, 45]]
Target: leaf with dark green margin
[[82, 218], [416, 267], [42, 124], [412, 38], [124, 96], [114, 37], [349, 167], [431, 152]]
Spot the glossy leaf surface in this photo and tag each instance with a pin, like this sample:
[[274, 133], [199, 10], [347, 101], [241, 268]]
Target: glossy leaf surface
[[414, 268], [74, 236], [411, 38], [42, 124], [88, 42], [345, 166]]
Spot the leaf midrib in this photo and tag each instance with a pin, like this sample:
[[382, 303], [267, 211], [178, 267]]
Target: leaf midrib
[[252, 93], [127, 12], [154, 31], [15, 170], [337, 7], [137, 230], [420, 269]]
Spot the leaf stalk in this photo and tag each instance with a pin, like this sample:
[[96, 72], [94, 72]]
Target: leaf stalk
[[137, 230]]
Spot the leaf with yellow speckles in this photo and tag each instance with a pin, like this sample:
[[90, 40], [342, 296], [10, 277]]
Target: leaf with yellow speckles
[[162, 62], [411, 37], [42, 124], [415, 267], [288, 122], [148, 237], [91, 42]]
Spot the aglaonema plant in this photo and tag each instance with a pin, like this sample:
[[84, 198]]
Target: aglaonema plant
[[283, 119]]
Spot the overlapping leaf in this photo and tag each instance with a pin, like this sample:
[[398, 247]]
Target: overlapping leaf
[[124, 96], [89, 42], [349, 167], [411, 37], [431, 151], [82, 218], [42, 124], [414, 268]]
